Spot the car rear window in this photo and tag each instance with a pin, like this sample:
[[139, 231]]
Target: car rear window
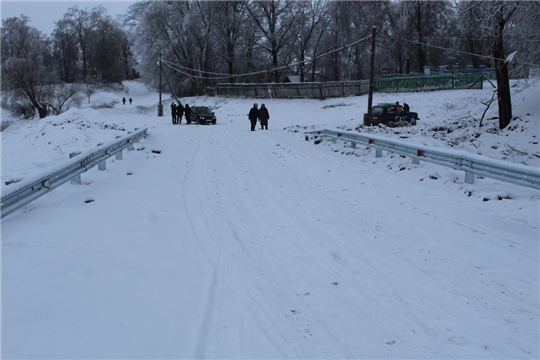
[[376, 111]]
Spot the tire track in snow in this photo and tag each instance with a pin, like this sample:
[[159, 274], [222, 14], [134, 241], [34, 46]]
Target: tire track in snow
[[315, 335]]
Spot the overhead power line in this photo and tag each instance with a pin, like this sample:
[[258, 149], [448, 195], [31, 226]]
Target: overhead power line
[[467, 53], [218, 76]]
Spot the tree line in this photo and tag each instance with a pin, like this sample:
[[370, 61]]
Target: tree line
[[203, 43]]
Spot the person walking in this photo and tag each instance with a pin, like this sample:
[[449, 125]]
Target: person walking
[[130, 100], [187, 111], [179, 113], [173, 113], [253, 116], [264, 116], [124, 101]]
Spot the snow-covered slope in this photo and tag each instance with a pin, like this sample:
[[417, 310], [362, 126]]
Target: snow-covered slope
[[228, 243]]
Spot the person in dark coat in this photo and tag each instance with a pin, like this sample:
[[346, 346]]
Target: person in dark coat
[[187, 111], [406, 107], [179, 113], [124, 101], [130, 101], [253, 116], [264, 116], [173, 113]]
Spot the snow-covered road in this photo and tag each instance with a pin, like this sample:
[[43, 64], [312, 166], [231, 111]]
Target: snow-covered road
[[218, 242]]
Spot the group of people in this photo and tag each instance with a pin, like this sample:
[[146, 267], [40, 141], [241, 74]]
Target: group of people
[[405, 107], [124, 100], [256, 114], [177, 111]]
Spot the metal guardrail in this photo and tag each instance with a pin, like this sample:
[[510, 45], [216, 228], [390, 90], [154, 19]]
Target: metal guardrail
[[472, 165], [22, 193]]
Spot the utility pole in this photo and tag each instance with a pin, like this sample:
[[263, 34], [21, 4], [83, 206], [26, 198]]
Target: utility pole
[[160, 105], [367, 121], [372, 68]]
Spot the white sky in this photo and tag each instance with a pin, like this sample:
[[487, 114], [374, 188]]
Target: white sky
[[44, 14]]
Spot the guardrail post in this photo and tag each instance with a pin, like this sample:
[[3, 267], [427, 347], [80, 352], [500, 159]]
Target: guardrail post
[[353, 144], [378, 153], [469, 177], [76, 179], [102, 165], [119, 155]]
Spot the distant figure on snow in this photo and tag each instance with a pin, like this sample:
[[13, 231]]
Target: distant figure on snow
[[187, 111], [253, 116], [179, 113], [173, 113], [124, 101], [264, 116], [130, 100]]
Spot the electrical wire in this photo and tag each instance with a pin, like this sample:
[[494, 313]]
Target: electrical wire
[[467, 53], [178, 68]]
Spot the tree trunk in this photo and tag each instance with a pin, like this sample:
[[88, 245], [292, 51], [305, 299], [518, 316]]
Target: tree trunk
[[501, 70]]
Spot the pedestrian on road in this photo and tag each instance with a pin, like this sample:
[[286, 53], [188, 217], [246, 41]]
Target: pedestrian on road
[[173, 113], [264, 116], [253, 116], [187, 111], [179, 113]]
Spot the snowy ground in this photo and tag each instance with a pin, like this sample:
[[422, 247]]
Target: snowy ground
[[237, 244]]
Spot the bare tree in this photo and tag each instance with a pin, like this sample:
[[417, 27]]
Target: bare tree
[[84, 23], [313, 17], [276, 20], [27, 80], [66, 52], [65, 95], [230, 31], [25, 75]]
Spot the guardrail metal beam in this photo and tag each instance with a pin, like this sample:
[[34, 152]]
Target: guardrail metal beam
[[472, 165], [22, 193]]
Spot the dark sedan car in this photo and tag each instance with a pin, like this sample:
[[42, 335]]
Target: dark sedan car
[[387, 114], [202, 115]]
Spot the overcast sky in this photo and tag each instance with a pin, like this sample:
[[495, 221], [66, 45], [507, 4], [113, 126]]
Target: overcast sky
[[43, 14]]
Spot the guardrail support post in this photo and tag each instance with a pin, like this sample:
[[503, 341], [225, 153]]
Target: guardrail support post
[[378, 153], [102, 165], [416, 160], [130, 147], [119, 155], [353, 144], [75, 179], [469, 177]]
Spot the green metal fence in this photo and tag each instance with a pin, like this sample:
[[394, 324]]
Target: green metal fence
[[427, 83]]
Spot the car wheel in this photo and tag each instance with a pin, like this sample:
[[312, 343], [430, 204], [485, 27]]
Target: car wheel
[[413, 121], [214, 122]]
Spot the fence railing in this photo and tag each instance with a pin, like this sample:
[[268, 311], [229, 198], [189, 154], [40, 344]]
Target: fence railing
[[428, 83], [27, 190], [472, 165], [308, 90]]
